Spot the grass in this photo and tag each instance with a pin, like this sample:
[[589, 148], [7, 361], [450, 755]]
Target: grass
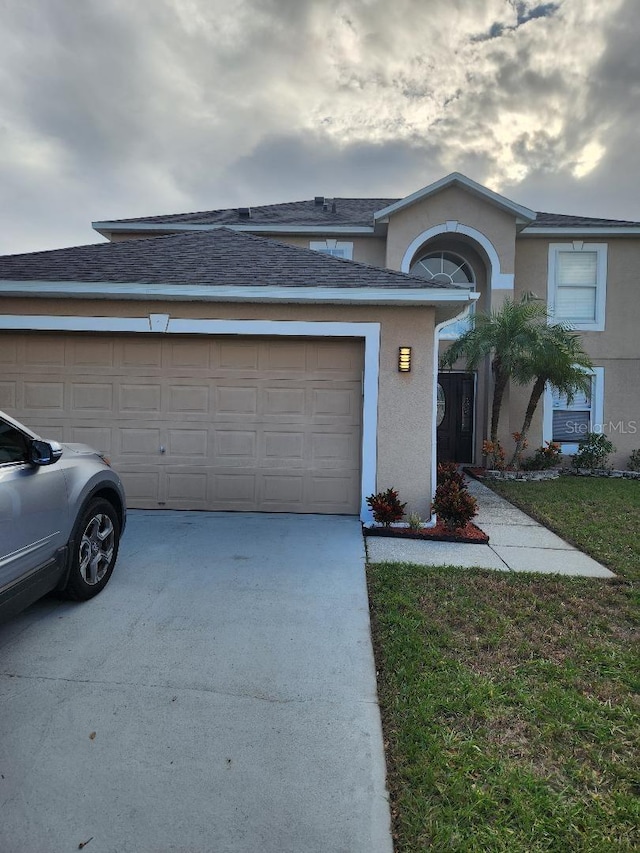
[[510, 702], [600, 516]]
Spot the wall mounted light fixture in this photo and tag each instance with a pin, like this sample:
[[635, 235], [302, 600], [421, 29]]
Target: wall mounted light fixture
[[404, 359]]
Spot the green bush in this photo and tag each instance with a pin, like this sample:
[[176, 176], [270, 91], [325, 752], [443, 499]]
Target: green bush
[[634, 460], [594, 452], [386, 507], [547, 456]]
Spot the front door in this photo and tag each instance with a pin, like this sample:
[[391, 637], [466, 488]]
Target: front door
[[455, 417]]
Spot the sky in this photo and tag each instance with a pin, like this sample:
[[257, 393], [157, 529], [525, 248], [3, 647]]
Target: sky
[[112, 109]]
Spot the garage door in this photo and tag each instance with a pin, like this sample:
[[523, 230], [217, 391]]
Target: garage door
[[195, 422]]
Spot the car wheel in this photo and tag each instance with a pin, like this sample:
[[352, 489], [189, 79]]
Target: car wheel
[[94, 550]]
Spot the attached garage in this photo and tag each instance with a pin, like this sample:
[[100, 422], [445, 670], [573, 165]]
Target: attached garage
[[224, 371], [201, 422]]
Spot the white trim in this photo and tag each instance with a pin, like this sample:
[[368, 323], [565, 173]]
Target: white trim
[[597, 410], [368, 332], [499, 280], [172, 227], [590, 230], [54, 323], [327, 246], [601, 250], [457, 179], [211, 293]]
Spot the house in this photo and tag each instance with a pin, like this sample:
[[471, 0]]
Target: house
[[256, 358]]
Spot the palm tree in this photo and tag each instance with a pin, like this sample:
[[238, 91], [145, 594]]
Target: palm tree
[[507, 336], [556, 358]]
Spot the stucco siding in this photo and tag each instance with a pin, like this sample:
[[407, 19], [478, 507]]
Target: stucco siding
[[404, 403], [449, 204]]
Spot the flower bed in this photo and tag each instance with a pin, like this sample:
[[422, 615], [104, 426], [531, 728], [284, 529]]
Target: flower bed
[[601, 472], [470, 534], [550, 474]]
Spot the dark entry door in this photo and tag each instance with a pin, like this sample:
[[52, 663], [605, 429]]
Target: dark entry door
[[455, 416]]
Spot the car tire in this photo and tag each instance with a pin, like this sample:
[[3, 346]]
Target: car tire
[[93, 550]]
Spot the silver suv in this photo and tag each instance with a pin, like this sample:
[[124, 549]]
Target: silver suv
[[62, 513]]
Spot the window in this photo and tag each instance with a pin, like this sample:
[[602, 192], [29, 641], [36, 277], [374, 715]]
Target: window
[[571, 421], [446, 268], [13, 444], [577, 284], [568, 423], [333, 247]]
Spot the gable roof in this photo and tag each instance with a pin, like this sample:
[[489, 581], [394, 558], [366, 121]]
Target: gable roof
[[221, 258], [522, 214], [351, 215]]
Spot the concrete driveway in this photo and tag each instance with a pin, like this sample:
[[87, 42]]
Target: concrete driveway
[[219, 695]]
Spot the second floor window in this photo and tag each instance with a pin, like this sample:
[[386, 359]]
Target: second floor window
[[577, 284], [446, 268]]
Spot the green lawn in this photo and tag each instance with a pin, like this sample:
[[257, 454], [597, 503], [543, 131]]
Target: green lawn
[[510, 702], [599, 515]]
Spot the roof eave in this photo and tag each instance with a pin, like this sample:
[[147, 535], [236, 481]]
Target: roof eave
[[108, 228], [586, 230], [260, 293]]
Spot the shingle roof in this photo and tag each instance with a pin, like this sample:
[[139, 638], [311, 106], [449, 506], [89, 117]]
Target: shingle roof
[[356, 212], [219, 258], [349, 211], [561, 220]]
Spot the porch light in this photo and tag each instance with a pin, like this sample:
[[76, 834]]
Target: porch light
[[404, 359]]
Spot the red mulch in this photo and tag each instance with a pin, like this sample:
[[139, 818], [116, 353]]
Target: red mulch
[[477, 473], [470, 534]]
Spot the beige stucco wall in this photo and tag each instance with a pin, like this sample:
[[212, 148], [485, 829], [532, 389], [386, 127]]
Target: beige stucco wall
[[120, 236], [367, 250], [616, 349], [449, 204], [405, 400]]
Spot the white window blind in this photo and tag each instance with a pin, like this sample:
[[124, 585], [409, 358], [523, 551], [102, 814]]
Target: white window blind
[[576, 286], [571, 422]]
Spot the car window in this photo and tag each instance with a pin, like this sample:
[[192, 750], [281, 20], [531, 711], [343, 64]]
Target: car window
[[14, 446]]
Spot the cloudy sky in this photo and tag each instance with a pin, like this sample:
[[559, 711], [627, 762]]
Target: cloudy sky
[[120, 108]]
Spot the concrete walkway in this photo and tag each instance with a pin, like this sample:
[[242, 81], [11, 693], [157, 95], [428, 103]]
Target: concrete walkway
[[219, 695], [517, 543]]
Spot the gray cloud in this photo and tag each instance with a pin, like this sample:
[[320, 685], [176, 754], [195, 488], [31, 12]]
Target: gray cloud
[[115, 109]]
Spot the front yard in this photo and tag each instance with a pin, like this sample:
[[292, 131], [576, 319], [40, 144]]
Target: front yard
[[510, 702]]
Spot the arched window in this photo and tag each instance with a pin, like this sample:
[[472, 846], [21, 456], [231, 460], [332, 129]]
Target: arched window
[[444, 268], [449, 269]]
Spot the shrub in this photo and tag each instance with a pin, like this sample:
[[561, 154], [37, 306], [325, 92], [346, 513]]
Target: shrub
[[521, 446], [448, 472], [547, 456], [594, 451], [386, 507], [634, 461], [495, 454], [415, 522], [454, 505]]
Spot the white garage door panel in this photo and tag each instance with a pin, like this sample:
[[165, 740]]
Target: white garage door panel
[[200, 423]]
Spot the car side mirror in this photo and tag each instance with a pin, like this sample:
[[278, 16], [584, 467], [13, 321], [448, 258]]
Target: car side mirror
[[45, 452]]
